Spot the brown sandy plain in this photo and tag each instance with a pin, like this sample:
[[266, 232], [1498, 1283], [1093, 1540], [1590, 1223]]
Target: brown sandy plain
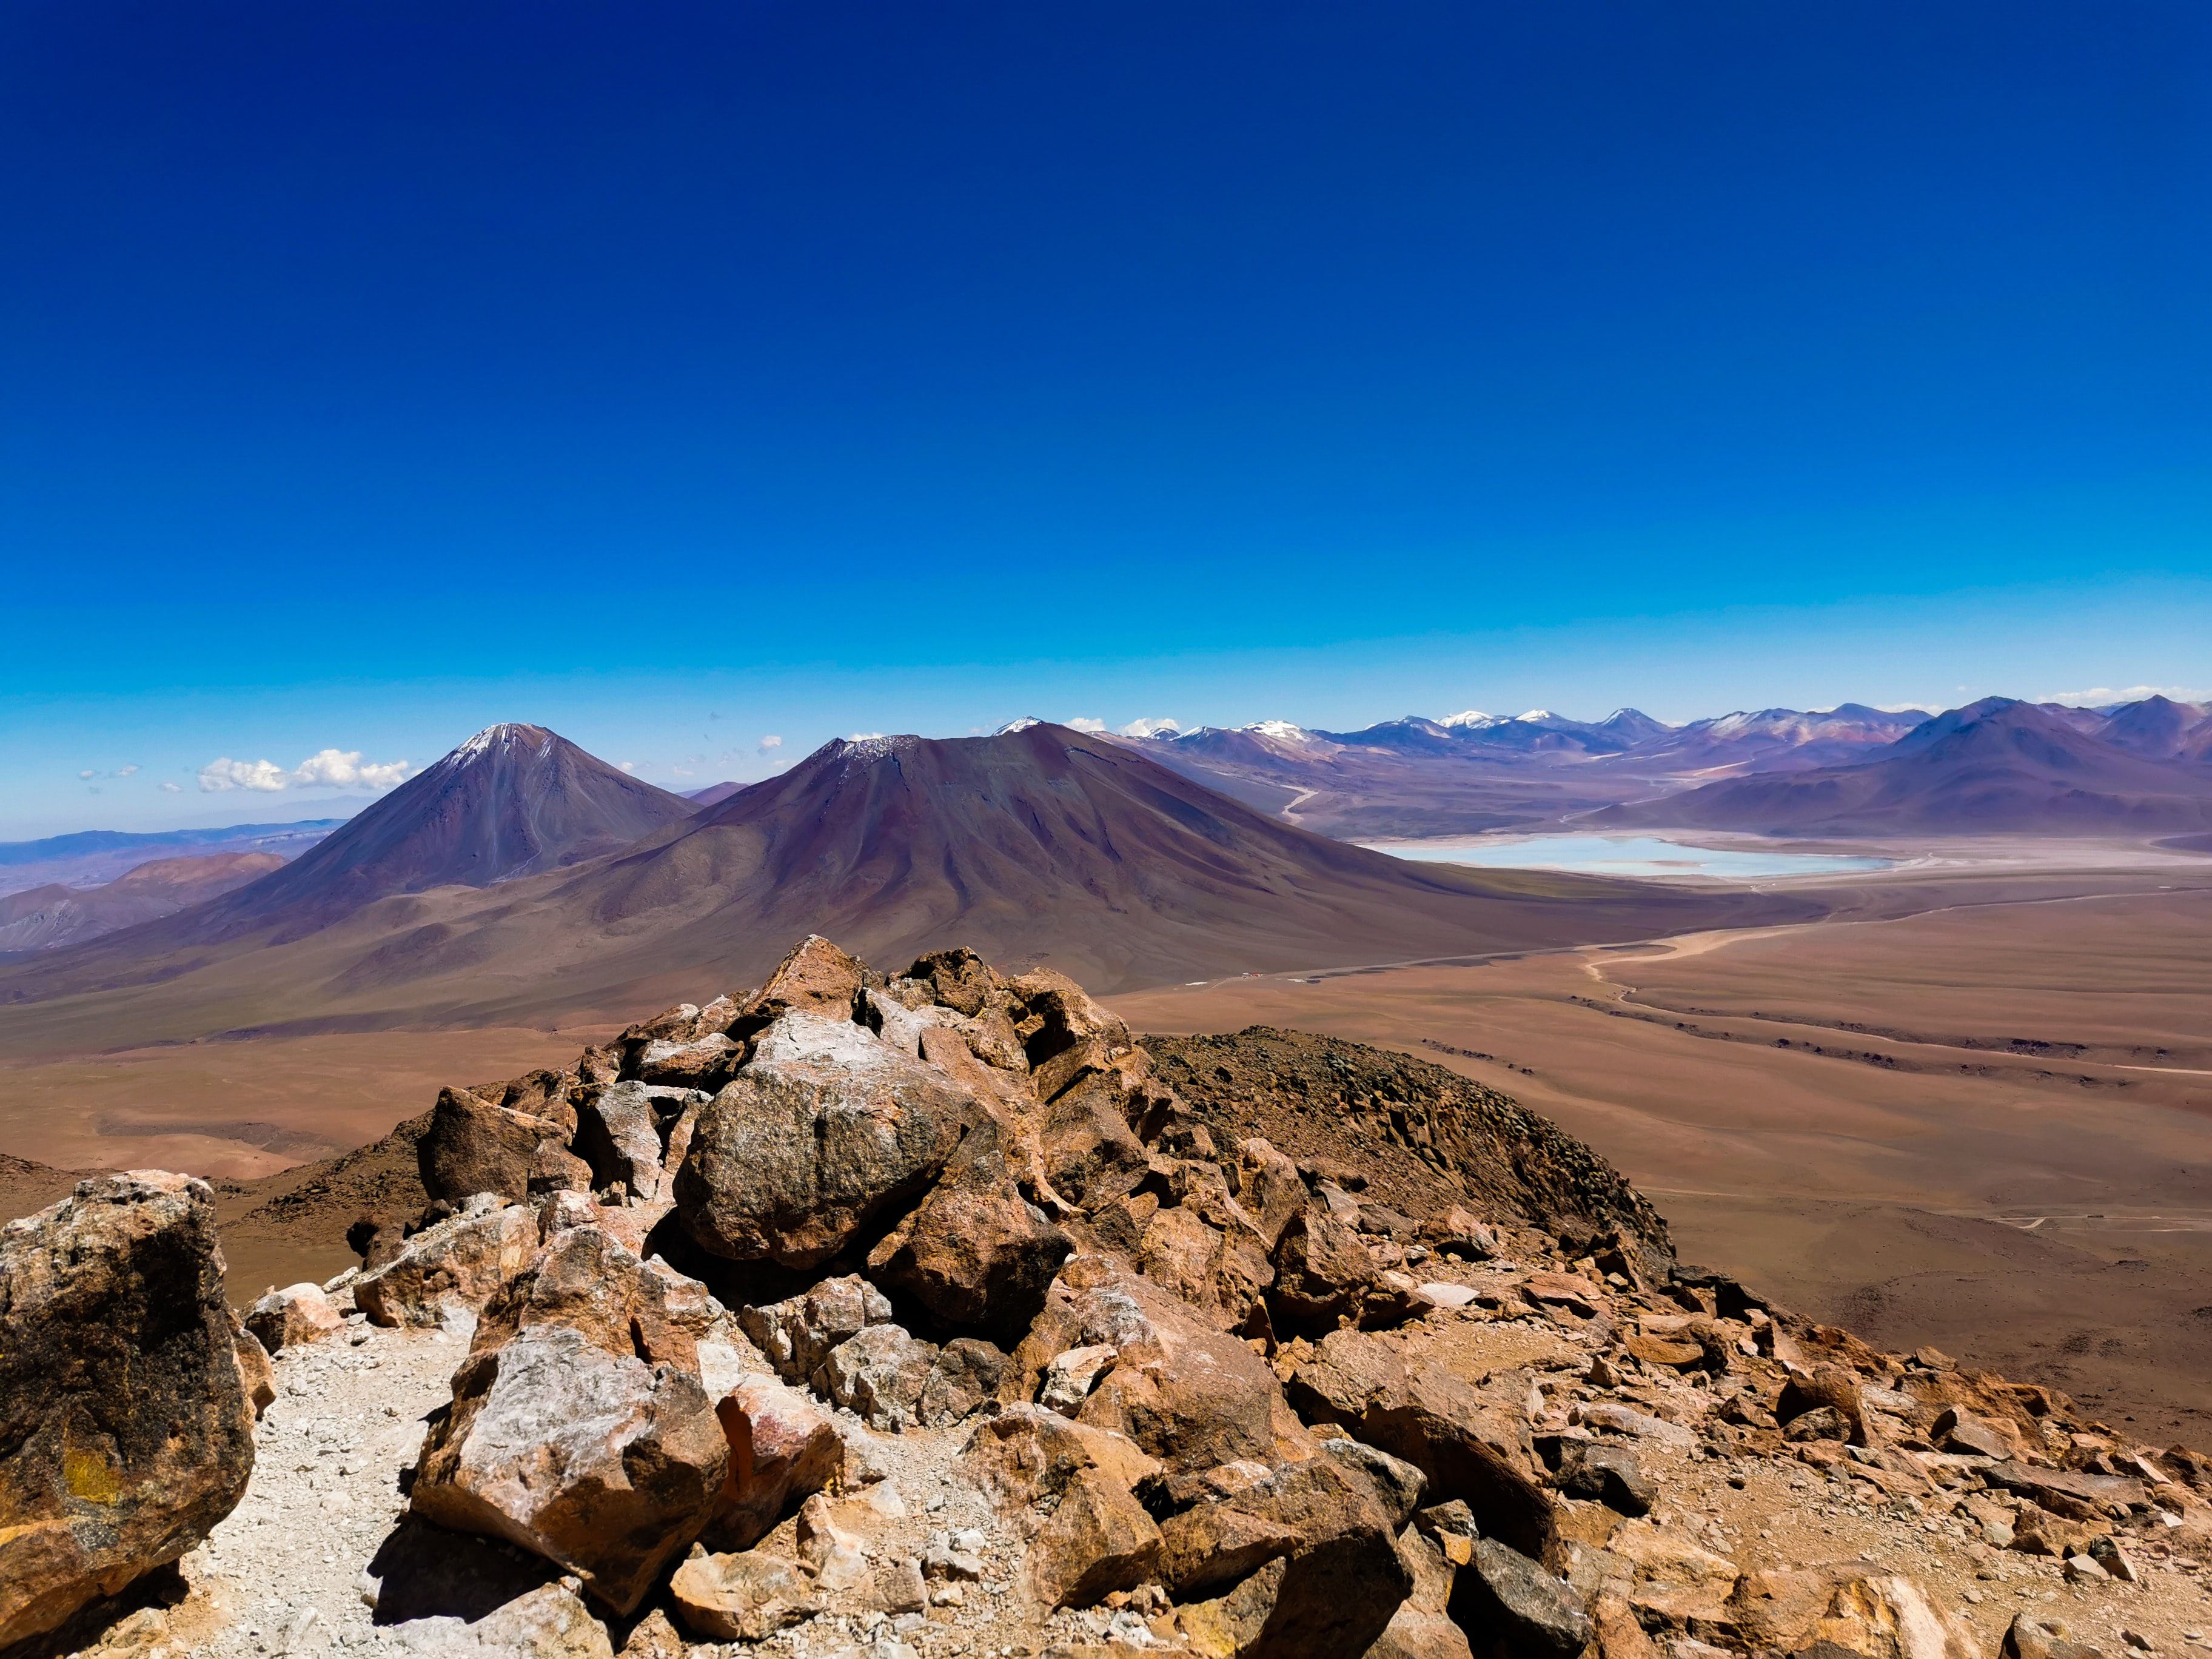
[[1972, 1108]]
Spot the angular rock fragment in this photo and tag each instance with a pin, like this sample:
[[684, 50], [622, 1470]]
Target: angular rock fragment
[[293, 1317], [966, 1375], [619, 1134], [255, 1374], [1503, 1590], [1463, 1443], [782, 1449], [744, 1597], [1610, 1475], [603, 1464], [473, 1146], [1185, 1392], [975, 1253], [1321, 1272], [880, 1374], [545, 1623], [461, 1261], [1829, 1388], [796, 1335]]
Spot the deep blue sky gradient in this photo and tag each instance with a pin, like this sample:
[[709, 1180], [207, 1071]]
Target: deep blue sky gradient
[[370, 370]]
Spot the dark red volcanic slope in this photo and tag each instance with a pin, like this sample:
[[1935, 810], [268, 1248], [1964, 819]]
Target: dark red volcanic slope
[[1996, 765], [1047, 845], [512, 801]]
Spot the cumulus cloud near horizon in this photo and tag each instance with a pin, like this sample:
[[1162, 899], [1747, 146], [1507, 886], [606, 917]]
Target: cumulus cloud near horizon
[[770, 742], [1084, 723], [334, 768], [1151, 728]]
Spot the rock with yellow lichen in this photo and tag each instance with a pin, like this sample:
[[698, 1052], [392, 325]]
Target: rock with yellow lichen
[[125, 1430]]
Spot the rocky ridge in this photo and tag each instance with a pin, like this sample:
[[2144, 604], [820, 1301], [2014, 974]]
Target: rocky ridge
[[920, 1315]]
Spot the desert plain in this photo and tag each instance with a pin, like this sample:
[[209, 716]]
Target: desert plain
[[1971, 1107]]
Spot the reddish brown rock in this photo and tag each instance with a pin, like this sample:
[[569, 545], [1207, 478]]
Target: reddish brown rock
[[1323, 1271], [293, 1317], [604, 1464], [1187, 1394], [475, 1145], [782, 1450], [1465, 1444], [460, 1261], [975, 1253], [1831, 1387], [815, 978]]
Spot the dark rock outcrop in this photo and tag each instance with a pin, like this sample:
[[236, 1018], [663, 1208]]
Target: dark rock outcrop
[[125, 1430]]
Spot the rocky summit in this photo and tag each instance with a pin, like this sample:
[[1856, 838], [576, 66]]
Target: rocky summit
[[934, 1314]]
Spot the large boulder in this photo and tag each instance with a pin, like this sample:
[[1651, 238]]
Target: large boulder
[[1072, 1490], [1469, 1448], [975, 1253], [1189, 1394], [827, 1129], [475, 1146], [1534, 1613], [600, 1462], [460, 1261], [125, 1431], [1315, 1543]]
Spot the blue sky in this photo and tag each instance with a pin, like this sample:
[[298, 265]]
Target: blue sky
[[683, 375]]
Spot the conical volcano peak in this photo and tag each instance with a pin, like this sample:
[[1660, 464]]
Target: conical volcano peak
[[507, 736]]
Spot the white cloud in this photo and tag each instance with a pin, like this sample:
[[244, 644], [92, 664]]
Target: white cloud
[[769, 743], [343, 767], [683, 772], [863, 737], [1084, 723], [1151, 728], [168, 788], [88, 773], [2104, 694], [124, 772], [225, 773], [629, 766], [339, 768]]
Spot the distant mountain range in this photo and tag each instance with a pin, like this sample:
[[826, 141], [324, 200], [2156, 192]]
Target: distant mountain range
[[47, 918], [89, 857], [1994, 766], [485, 890], [2138, 766]]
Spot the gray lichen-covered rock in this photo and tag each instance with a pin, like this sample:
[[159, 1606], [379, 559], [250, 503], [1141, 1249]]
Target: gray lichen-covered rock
[[125, 1431]]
